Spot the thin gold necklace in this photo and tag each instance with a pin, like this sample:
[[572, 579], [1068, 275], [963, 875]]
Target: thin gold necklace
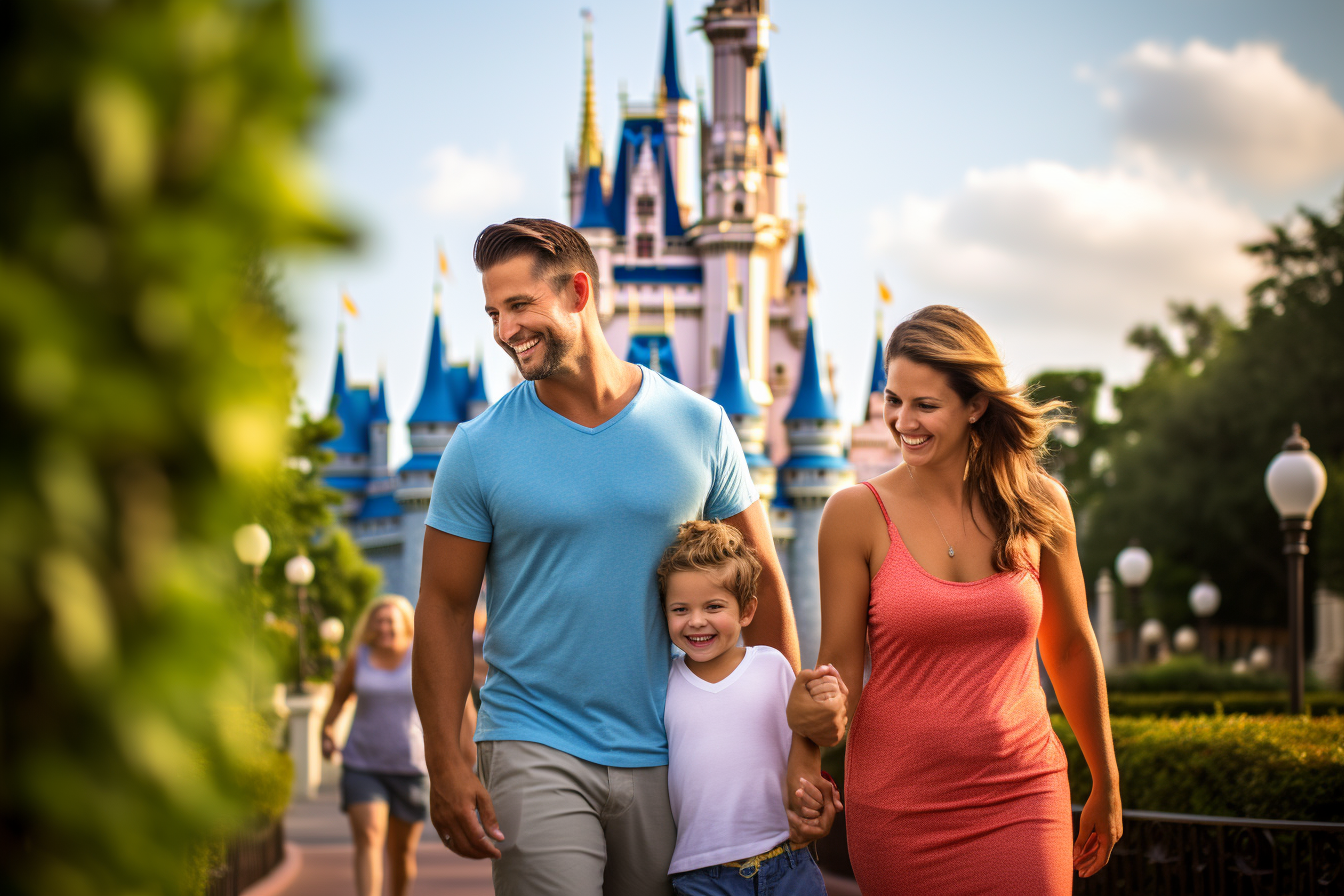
[[929, 508]]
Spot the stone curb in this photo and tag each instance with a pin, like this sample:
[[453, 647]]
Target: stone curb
[[281, 875]]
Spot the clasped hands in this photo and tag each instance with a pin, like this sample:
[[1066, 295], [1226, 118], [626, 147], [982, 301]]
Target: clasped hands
[[817, 705]]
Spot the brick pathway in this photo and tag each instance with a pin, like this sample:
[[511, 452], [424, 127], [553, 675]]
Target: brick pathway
[[322, 833]]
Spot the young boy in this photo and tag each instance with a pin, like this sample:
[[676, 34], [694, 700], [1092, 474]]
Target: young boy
[[729, 743]]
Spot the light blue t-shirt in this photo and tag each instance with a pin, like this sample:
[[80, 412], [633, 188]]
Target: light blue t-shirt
[[577, 519]]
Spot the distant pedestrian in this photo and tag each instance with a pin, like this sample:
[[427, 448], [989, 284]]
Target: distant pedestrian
[[384, 783]]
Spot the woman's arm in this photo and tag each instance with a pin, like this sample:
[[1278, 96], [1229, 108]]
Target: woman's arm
[[844, 547], [1069, 651], [345, 686]]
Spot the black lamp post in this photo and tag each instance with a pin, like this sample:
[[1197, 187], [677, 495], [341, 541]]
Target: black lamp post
[[1295, 481], [299, 572]]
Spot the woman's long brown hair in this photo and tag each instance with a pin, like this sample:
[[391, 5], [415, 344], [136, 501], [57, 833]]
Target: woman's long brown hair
[[1008, 441]]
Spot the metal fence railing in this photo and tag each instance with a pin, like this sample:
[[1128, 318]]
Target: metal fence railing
[[248, 858], [1193, 855]]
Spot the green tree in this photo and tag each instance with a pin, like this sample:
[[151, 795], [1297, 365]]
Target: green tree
[[149, 150], [1188, 455]]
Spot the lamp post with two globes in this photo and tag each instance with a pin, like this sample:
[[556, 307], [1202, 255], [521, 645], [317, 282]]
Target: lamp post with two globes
[[1295, 481]]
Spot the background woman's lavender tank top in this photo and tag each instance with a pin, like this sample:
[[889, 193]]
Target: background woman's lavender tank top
[[385, 736]]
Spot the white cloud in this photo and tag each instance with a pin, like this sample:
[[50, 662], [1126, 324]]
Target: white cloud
[[1100, 249], [1244, 112], [464, 184]]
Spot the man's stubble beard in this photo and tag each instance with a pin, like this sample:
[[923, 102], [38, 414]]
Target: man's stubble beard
[[551, 360]]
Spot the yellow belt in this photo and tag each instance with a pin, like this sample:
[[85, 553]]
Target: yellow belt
[[754, 863]]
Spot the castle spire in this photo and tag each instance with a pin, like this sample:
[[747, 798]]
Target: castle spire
[[811, 402], [436, 401], [671, 81], [590, 139], [379, 413], [732, 393], [594, 204], [338, 379]]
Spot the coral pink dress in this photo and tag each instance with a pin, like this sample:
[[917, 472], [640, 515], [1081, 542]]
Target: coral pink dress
[[955, 783]]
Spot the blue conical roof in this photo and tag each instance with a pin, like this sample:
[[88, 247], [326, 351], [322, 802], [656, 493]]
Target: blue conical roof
[[800, 272], [594, 206], [459, 384], [732, 393], [879, 371], [353, 409], [478, 385], [379, 413], [811, 402], [763, 116], [338, 380], [671, 81], [436, 399]]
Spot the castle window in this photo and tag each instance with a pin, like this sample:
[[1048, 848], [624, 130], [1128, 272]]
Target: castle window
[[644, 206], [738, 207], [643, 245]]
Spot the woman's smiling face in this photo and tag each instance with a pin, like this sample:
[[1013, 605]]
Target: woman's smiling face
[[927, 418]]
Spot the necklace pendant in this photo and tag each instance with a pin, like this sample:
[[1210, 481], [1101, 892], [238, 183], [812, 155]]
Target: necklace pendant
[[951, 553]]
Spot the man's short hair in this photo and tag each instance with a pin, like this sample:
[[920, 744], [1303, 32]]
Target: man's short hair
[[557, 250], [718, 549]]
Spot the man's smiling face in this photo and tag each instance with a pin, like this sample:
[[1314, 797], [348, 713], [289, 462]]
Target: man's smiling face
[[538, 327]]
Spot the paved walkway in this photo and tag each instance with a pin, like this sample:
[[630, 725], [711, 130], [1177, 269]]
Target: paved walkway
[[323, 835]]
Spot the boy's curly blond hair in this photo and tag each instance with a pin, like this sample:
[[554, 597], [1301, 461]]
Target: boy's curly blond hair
[[716, 548]]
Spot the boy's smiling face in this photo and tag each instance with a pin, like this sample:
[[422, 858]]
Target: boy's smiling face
[[703, 618]]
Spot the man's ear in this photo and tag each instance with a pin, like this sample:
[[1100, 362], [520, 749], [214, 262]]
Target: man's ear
[[748, 612], [582, 285]]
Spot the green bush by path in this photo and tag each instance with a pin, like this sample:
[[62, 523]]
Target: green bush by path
[[151, 152], [1192, 674], [1284, 767], [1255, 703]]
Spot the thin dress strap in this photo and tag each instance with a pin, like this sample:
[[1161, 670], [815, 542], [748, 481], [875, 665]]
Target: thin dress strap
[[880, 505]]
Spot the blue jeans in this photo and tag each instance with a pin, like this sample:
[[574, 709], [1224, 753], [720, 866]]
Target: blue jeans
[[794, 873]]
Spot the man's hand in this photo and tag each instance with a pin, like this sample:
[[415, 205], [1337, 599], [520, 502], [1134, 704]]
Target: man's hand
[[812, 809], [822, 716], [461, 811]]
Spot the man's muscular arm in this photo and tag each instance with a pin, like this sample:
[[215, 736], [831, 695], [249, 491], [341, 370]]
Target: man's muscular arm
[[773, 625], [450, 583]]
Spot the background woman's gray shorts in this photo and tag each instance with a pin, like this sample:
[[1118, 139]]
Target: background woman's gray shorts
[[407, 796]]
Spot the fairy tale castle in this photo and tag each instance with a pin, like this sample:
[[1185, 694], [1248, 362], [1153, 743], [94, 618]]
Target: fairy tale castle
[[709, 302]]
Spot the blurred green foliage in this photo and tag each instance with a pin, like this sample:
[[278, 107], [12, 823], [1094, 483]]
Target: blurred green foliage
[[1193, 675], [1287, 767], [1177, 704], [295, 507], [149, 150], [1183, 468]]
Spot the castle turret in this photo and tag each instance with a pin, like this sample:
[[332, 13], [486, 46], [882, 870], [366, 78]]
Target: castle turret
[[378, 427], [431, 425], [678, 123], [800, 285], [815, 470], [595, 224], [477, 400], [748, 421], [872, 450], [349, 470], [590, 139]]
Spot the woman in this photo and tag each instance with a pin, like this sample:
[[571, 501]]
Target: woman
[[384, 782], [950, 568]]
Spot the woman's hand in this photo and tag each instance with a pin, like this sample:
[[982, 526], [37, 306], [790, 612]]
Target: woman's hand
[[822, 717], [328, 744], [1099, 826]]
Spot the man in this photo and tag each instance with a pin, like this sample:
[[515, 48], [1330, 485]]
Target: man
[[567, 490]]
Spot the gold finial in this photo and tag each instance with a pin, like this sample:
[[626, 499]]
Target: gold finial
[[438, 297], [340, 336], [590, 140], [622, 98], [802, 211]]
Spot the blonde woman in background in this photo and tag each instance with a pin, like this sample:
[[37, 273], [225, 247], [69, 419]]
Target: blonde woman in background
[[384, 783]]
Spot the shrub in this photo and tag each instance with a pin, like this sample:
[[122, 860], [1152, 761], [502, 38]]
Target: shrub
[[1285, 767], [1254, 703], [1194, 675]]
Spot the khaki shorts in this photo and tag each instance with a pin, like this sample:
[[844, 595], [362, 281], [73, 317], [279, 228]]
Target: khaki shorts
[[574, 828]]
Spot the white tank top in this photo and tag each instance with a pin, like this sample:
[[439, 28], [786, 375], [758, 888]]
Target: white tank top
[[728, 750]]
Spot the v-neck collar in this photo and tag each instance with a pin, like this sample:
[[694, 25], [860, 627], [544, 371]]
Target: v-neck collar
[[644, 372], [715, 686]]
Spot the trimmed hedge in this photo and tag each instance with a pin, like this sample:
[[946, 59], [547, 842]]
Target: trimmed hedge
[[1285, 767], [1192, 674], [1178, 705]]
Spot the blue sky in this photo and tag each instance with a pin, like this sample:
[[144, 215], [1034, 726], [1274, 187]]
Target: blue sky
[[1059, 170]]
